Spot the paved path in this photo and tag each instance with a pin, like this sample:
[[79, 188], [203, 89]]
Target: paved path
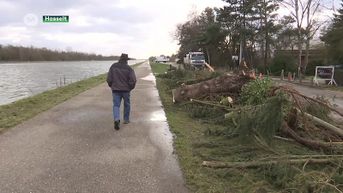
[[73, 147]]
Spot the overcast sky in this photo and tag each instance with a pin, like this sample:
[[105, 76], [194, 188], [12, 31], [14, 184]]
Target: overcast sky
[[141, 28]]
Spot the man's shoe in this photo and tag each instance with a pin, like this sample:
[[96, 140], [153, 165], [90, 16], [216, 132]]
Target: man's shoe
[[126, 122], [116, 125]]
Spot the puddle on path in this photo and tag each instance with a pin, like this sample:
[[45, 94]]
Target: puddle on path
[[150, 77], [158, 116]]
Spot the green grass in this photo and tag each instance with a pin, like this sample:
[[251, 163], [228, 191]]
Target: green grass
[[197, 141], [24, 109], [159, 68]]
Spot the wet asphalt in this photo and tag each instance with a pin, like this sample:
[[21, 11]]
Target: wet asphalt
[[334, 97], [74, 148]]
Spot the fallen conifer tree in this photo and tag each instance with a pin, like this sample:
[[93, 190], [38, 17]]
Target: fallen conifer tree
[[278, 110], [228, 83]]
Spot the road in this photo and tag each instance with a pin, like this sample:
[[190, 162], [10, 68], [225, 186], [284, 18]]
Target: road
[[335, 97], [74, 148]]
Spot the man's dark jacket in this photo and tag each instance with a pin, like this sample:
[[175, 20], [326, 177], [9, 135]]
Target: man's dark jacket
[[121, 77]]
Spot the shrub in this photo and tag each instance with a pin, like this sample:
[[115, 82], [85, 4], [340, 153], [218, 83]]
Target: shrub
[[311, 67], [339, 76], [283, 62], [256, 92]]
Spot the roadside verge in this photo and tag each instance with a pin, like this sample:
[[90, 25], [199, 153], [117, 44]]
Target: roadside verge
[[203, 135]]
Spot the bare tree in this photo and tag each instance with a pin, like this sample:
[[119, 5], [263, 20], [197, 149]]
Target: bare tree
[[304, 12], [312, 26]]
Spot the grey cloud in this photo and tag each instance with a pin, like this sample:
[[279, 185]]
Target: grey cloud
[[47, 6], [119, 28], [130, 15], [123, 21], [126, 22], [92, 8]]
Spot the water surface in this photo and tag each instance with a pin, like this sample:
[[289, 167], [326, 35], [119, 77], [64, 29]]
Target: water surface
[[22, 79]]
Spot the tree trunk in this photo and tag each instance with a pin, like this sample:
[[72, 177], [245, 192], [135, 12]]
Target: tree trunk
[[332, 128], [266, 37], [300, 49], [307, 53], [241, 57], [317, 145], [223, 84], [266, 52], [208, 56], [299, 27], [255, 164]]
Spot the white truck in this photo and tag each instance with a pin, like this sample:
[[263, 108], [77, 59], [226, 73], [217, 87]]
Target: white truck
[[194, 60], [162, 59]]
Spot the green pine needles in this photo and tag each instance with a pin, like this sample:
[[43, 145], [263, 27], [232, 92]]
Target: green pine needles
[[261, 121], [256, 92]]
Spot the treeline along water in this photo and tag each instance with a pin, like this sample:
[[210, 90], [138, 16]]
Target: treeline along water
[[20, 53], [20, 80]]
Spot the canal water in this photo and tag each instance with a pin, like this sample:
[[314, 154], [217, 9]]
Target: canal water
[[23, 79]]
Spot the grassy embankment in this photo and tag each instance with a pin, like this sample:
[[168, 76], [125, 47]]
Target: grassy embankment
[[159, 68], [21, 110], [197, 140]]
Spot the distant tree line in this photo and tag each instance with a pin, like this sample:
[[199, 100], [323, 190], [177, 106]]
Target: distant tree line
[[253, 30], [20, 53], [245, 28]]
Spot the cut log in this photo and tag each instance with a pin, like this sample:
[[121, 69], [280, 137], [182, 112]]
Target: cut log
[[312, 156], [336, 144], [317, 145], [254, 164], [325, 124], [209, 67], [224, 84]]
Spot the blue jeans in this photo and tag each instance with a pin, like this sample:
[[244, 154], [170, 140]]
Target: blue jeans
[[117, 97]]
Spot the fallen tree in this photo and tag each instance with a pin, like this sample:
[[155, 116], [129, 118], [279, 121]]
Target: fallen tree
[[325, 124], [312, 144], [265, 110], [227, 83], [252, 129]]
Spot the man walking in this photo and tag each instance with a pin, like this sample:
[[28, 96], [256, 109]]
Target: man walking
[[122, 79]]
